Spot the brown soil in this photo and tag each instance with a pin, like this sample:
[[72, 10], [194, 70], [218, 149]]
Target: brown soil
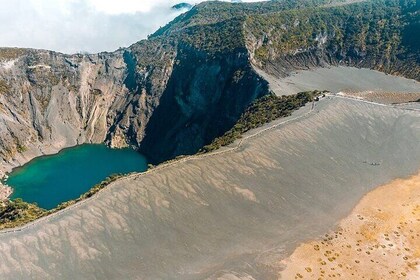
[[379, 240]]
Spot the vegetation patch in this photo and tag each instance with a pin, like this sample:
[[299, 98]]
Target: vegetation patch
[[15, 213], [21, 148], [11, 53], [262, 53], [213, 12], [262, 111], [215, 38], [380, 32]]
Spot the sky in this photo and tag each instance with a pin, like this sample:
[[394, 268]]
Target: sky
[[72, 26]]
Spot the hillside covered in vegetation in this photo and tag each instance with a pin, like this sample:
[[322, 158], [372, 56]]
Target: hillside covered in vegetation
[[377, 34], [278, 37], [211, 12], [260, 112], [373, 34], [190, 82]]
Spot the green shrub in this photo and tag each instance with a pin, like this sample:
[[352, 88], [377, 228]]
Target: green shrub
[[262, 111], [16, 212]]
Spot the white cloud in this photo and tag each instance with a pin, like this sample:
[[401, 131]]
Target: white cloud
[[125, 6], [82, 25], [132, 6]]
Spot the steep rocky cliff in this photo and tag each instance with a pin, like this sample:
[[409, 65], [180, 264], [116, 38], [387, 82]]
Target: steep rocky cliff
[[50, 101], [191, 80], [202, 100]]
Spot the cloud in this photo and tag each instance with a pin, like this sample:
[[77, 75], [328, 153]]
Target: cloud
[[71, 26], [131, 6]]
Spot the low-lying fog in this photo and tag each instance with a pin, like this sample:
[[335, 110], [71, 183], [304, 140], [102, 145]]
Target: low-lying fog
[[72, 26]]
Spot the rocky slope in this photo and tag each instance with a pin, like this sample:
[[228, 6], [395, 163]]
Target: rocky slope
[[50, 100], [191, 80], [371, 34]]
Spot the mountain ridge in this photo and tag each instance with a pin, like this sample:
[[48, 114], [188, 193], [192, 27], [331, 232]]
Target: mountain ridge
[[232, 214], [188, 83]]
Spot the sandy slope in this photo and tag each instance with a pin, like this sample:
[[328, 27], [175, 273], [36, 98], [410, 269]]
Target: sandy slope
[[339, 78], [379, 240], [229, 215]]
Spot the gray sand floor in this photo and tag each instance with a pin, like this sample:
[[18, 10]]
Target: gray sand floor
[[233, 214], [339, 78]]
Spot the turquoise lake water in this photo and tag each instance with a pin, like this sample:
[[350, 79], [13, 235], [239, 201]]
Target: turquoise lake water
[[51, 180]]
